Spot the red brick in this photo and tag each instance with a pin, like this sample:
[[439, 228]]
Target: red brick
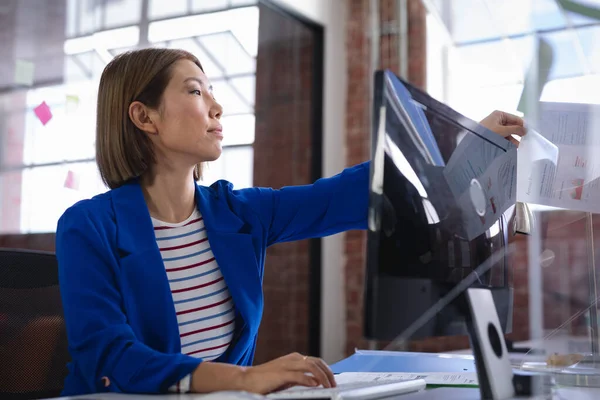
[[282, 156]]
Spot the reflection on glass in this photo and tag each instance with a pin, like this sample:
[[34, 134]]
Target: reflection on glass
[[491, 51], [589, 38], [393, 151], [566, 58]]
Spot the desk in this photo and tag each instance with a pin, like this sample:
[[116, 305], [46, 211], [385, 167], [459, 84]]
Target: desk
[[374, 361], [119, 396], [431, 394], [411, 362], [473, 394]]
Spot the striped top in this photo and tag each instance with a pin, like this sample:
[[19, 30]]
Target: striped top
[[205, 312]]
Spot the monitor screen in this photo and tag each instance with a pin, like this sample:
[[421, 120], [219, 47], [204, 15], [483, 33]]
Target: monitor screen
[[442, 189]]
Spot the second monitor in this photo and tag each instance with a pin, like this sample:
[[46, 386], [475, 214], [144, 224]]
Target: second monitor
[[441, 198]]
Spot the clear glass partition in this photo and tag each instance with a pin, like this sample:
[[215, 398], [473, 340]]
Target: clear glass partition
[[535, 59], [538, 59]]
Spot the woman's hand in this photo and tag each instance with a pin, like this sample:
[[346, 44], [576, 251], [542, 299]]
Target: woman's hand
[[290, 370], [505, 125]]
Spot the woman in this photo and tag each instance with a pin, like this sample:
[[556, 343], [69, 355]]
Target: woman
[[161, 278]]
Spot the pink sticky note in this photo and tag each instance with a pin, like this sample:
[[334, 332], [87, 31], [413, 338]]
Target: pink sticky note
[[43, 113], [72, 180]]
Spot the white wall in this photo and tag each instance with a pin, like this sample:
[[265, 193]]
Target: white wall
[[332, 15]]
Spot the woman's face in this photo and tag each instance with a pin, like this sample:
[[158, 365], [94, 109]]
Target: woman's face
[[187, 121]]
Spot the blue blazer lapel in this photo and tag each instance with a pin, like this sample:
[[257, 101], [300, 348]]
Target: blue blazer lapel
[[135, 231], [236, 254], [147, 294]]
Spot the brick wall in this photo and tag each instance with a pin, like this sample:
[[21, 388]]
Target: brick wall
[[358, 118], [282, 156]]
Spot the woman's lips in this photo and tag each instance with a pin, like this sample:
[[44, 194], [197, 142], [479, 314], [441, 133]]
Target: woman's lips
[[218, 131]]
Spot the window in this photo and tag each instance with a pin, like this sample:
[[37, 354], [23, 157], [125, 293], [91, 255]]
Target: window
[[478, 59], [89, 16], [39, 157]]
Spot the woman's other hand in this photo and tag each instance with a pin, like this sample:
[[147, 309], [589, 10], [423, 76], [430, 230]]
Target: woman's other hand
[[290, 370], [505, 125]]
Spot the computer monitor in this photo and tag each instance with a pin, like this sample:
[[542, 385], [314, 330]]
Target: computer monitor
[[441, 197]]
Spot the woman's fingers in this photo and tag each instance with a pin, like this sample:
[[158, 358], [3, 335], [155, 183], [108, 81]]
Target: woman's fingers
[[308, 365], [508, 130], [296, 369], [510, 119], [294, 378], [513, 141], [518, 130], [326, 370], [318, 372]]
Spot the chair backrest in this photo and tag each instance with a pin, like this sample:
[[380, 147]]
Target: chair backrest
[[33, 340]]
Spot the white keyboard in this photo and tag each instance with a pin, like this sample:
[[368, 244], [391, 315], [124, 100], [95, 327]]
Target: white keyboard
[[352, 391]]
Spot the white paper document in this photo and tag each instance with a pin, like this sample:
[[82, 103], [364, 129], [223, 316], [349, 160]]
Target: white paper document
[[495, 171], [559, 167], [431, 378]]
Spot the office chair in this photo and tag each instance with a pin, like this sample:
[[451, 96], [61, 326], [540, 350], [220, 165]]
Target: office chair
[[33, 340]]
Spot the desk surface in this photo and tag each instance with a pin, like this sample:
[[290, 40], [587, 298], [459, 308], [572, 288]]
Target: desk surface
[[119, 396], [385, 361], [446, 393], [473, 394]]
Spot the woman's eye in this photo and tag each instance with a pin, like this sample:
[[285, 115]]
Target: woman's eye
[[196, 92]]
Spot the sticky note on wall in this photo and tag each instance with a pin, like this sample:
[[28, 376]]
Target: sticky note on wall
[[72, 180], [43, 113], [72, 103], [24, 72]]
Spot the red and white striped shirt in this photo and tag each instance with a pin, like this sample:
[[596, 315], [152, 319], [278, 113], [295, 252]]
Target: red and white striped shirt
[[205, 311]]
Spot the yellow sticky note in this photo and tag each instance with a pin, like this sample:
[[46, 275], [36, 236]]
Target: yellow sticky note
[[24, 72], [72, 102]]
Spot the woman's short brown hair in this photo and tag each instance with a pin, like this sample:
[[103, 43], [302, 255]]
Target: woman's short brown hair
[[123, 151]]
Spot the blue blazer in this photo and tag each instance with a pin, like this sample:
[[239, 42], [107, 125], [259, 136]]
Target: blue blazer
[[118, 308]]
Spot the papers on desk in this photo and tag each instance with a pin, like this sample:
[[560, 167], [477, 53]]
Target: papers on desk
[[400, 361], [463, 379], [559, 166]]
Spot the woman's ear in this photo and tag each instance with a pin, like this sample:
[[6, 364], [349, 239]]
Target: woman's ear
[[141, 117]]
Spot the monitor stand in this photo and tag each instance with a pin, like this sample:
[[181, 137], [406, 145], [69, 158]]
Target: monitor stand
[[497, 380], [494, 372]]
